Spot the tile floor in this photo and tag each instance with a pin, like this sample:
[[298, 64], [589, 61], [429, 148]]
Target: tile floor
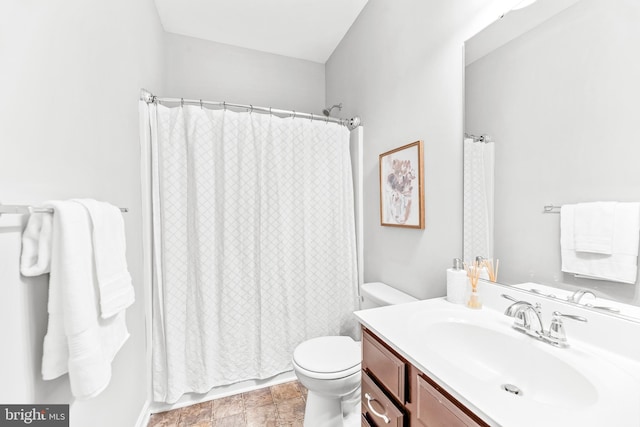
[[281, 405]]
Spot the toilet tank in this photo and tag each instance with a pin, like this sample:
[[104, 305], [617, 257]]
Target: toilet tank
[[378, 294]]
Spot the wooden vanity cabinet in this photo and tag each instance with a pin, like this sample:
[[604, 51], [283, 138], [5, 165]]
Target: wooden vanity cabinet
[[395, 393], [385, 366], [435, 407]]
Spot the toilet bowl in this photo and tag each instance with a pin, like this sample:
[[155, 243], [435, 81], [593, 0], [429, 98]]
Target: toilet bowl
[[329, 367]]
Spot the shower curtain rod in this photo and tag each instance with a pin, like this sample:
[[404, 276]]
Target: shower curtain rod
[[478, 138], [150, 98]]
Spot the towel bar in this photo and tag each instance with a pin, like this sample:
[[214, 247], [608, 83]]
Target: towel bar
[[26, 209], [551, 209]]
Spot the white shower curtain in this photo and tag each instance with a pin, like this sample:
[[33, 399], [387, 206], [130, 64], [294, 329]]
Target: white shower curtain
[[478, 199], [254, 243]]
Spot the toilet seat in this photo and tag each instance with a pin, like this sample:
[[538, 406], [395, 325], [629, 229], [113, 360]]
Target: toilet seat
[[329, 357]]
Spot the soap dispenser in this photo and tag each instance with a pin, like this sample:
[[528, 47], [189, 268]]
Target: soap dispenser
[[457, 283]]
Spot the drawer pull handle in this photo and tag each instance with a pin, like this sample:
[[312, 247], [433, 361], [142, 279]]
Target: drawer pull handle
[[376, 413]]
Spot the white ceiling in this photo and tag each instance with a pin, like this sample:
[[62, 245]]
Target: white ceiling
[[305, 29]]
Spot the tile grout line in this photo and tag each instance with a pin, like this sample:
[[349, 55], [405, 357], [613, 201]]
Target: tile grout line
[[274, 405], [244, 408]]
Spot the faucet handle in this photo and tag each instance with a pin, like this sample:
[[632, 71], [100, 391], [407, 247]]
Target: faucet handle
[[557, 315], [557, 335], [509, 297]]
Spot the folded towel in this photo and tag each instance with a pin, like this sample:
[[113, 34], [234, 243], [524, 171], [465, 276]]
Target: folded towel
[[109, 248], [78, 340], [35, 258], [593, 227], [621, 265]]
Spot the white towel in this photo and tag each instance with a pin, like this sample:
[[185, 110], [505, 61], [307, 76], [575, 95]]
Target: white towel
[[109, 248], [593, 227], [78, 340], [621, 265], [35, 258]]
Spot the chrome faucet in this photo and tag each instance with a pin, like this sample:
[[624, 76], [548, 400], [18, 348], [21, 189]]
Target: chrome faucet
[[528, 321], [577, 295], [527, 317]]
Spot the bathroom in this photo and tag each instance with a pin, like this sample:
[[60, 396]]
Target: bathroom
[[82, 64]]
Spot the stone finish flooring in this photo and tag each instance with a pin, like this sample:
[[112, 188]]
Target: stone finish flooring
[[280, 405]]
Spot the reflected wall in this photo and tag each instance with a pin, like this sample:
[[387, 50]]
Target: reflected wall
[[562, 103]]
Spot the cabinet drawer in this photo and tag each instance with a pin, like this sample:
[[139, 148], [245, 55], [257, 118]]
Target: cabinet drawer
[[434, 409], [365, 421], [384, 365], [377, 408]]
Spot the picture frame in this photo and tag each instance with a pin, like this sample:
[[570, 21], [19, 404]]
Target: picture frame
[[402, 187]]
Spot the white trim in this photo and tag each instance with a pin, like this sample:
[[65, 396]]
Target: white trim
[[356, 148], [145, 185], [145, 414]]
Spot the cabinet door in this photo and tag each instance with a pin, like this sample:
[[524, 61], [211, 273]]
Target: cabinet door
[[434, 409], [377, 408], [384, 365]]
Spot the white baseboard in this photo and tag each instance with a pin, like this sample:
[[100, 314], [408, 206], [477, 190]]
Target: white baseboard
[[145, 414]]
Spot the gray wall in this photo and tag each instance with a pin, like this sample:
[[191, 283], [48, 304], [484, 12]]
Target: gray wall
[[206, 70], [561, 102], [400, 68], [70, 78]]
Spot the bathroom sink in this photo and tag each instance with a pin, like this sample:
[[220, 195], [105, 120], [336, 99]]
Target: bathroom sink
[[506, 359], [509, 378], [479, 351]]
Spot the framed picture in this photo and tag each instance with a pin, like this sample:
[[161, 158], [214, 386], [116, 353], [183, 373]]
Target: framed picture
[[402, 187]]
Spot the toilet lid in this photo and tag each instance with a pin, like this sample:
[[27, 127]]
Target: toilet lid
[[327, 354]]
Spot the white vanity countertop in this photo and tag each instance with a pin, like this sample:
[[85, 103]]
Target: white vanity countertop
[[583, 385]]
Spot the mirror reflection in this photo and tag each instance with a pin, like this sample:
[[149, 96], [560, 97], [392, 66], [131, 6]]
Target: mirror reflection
[[552, 106]]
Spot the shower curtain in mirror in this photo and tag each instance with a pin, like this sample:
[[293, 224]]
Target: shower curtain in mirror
[[254, 245], [478, 199]]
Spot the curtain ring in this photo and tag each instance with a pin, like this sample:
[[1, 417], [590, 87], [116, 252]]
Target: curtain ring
[[311, 119], [251, 110], [270, 111], [294, 114], [326, 120], [201, 104], [224, 105], [181, 102]]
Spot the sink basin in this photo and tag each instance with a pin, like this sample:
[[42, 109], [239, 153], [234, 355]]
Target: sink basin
[[501, 358]]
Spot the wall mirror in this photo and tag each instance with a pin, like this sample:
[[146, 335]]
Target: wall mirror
[[556, 86]]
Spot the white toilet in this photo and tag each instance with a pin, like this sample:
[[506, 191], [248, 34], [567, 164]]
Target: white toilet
[[329, 367]]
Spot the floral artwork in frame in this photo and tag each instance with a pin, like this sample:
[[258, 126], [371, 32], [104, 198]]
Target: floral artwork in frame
[[401, 187]]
